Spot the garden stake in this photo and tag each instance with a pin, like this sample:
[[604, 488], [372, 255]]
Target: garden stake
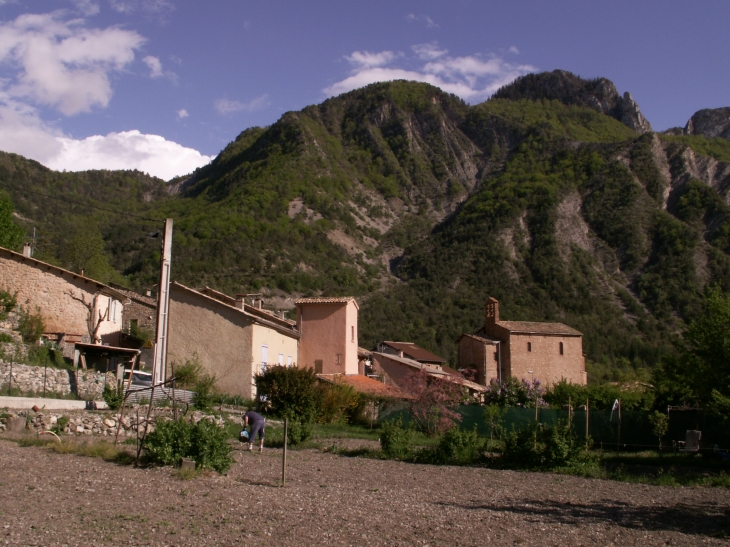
[[283, 462], [136, 461], [618, 440], [586, 425], [45, 374], [174, 402]]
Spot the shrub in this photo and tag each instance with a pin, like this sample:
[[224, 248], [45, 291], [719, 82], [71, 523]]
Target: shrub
[[395, 440], [7, 303], [536, 446], [192, 376], [456, 447], [31, 326], [514, 392], [434, 402], [113, 396], [299, 431], [288, 392], [493, 416], [338, 404], [204, 442]]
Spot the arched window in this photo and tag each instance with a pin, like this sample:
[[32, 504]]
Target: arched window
[[529, 346], [561, 348]]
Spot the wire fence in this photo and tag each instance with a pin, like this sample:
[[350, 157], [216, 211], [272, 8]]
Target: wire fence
[[636, 431]]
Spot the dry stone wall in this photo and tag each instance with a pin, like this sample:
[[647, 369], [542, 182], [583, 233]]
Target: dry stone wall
[[105, 424], [86, 384]]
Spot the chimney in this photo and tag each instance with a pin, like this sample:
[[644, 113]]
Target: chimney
[[400, 354], [492, 311], [27, 250], [239, 301], [260, 303]]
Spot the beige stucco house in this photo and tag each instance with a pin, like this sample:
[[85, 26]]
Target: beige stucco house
[[74, 308], [552, 351], [230, 339], [328, 327]]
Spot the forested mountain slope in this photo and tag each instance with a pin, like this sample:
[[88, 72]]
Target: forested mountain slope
[[554, 196]]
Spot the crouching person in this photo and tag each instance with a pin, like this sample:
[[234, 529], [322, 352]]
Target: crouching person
[[257, 424]]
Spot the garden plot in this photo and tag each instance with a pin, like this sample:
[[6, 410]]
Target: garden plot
[[60, 499]]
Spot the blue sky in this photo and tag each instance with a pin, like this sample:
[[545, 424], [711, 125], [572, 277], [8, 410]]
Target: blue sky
[[164, 85]]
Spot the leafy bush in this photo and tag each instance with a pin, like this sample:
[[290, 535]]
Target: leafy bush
[[31, 326], [192, 376], [7, 303], [395, 440], [493, 416], [113, 396], [456, 447], [288, 392], [204, 442], [537, 446], [338, 404], [434, 402], [514, 392], [299, 431]]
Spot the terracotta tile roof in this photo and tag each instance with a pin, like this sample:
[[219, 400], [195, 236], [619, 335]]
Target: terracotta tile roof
[[529, 327], [415, 352], [366, 385], [434, 371], [484, 339], [327, 300]]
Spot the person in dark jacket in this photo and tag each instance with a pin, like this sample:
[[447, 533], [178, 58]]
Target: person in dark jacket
[[257, 424]]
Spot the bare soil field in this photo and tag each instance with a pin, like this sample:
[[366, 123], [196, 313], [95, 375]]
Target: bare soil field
[[54, 499]]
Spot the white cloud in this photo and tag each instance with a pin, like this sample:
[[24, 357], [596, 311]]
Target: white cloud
[[411, 17], [49, 61], [182, 113], [63, 64], [154, 65], [514, 50], [87, 7], [226, 106], [128, 150], [146, 6], [365, 59], [471, 77]]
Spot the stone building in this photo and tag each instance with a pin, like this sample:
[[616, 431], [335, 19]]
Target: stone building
[[74, 308], [328, 327], [229, 341], [503, 349], [140, 312], [412, 351]]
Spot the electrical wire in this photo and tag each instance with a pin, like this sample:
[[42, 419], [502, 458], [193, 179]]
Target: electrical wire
[[6, 185]]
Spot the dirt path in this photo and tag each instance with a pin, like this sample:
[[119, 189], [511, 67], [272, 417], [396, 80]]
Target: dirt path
[[53, 500]]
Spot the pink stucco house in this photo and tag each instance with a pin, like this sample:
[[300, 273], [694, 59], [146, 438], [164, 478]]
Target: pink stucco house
[[328, 329]]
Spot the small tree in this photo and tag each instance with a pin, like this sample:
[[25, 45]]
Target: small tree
[[660, 425], [493, 416], [434, 402]]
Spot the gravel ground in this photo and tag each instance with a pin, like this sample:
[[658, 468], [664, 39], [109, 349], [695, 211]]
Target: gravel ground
[[52, 499]]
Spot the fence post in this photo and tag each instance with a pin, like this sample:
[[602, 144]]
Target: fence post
[[283, 461], [587, 401]]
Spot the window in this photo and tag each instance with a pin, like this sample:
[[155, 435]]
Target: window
[[353, 333], [318, 366], [496, 356], [561, 348], [288, 361], [529, 346], [281, 358], [264, 356]]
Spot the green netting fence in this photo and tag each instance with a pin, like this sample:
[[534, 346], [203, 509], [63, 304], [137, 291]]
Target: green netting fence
[[636, 429]]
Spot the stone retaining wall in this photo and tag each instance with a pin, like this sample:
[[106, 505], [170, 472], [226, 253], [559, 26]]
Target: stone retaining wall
[[86, 384], [100, 423]]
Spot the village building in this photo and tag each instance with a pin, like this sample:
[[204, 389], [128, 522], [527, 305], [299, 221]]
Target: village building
[[549, 352], [229, 339], [397, 370], [140, 312], [328, 327], [411, 351], [74, 308]]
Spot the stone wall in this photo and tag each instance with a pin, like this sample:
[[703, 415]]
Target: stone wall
[[86, 384], [104, 424]]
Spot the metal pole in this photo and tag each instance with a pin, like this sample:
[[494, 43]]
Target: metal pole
[[163, 304], [136, 461], [618, 440], [174, 402], [45, 375], [283, 461], [146, 422], [587, 415]]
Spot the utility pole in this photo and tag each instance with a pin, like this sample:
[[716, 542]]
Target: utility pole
[[159, 370]]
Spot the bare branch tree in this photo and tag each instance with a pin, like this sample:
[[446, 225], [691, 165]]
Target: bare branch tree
[[95, 317]]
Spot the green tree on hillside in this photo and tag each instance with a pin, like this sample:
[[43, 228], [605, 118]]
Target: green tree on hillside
[[701, 373], [11, 235], [84, 251]]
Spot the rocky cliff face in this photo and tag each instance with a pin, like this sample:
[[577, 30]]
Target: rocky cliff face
[[710, 122], [568, 88]]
